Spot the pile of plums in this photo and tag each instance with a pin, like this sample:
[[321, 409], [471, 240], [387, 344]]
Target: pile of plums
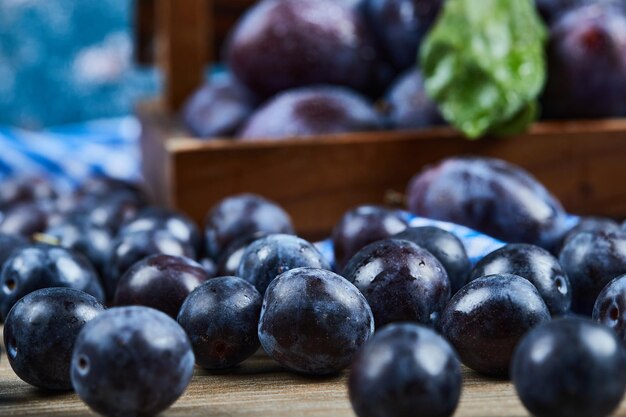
[[311, 67], [117, 299]]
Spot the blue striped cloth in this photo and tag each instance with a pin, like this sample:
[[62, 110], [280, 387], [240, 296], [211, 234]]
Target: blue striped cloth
[[476, 244], [68, 154]]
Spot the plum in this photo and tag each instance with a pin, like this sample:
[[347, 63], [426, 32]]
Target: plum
[[159, 281], [25, 189], [314, 110], [237, 216], [405, 370], [25, 219], [536, 265], [591, 260], [610, 306], [157, 218], [591, 224], [550, 10], [362, 226], [401, 282], [446, 247], [218, 108], [282, 44], [587, 64], [570, 367], [409, 107], [400, 26], [491, 196], [488, 317], [313, 321], [266, 258]]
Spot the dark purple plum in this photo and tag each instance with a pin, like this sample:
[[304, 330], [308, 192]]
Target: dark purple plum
[[491, 196], [158, 218], [400, 26], [268, 257], [409, 107], [587, 63], [610, 306], [218, 108], [314, 321], [550, 10], [309, 111], [131, 361], [25, 189], [591, 260], [8, 245], [24, 219], [102, 186], [279, 45], [364, 225], [240, 215], [79, 234], [535, 264], [40, 331], [444, 246], [405, 370], [221, 318], [486, 319], [570, 367], [229, 260], [130, 248], [43, 266], [111, 210], [401, 282], [162, 282], [591, 224]]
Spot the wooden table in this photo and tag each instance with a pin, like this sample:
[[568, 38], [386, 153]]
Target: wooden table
[[258, 388]]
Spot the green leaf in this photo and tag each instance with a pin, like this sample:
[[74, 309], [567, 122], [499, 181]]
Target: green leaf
[[484, 64]]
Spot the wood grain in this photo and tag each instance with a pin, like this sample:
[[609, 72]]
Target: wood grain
[[183, 39], [260, 388], [318, 179], [224, 15]]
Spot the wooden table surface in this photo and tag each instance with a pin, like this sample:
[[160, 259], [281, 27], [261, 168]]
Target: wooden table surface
[[258, 388]]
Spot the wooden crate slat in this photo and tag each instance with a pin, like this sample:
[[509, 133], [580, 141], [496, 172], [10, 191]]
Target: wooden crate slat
[[318, 179]]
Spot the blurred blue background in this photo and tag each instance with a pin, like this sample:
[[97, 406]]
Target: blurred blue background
[[65, 61]]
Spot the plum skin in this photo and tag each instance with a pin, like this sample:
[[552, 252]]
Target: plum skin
[[570, 367], [610, 306], [405, 370], [486, 319], [315, 41], [591, 260], [221, 319], [409, 107], [536, 265], [309, 111], [401, 282], [313, 321], [361, 226], [240, 215], [587, 69], [266, 258], [40, 332], [446, 247], [492, 196], [42, 266], [162, 282], [131, 361]]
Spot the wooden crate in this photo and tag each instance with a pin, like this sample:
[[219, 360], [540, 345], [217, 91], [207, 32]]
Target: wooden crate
[[318, 179]]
